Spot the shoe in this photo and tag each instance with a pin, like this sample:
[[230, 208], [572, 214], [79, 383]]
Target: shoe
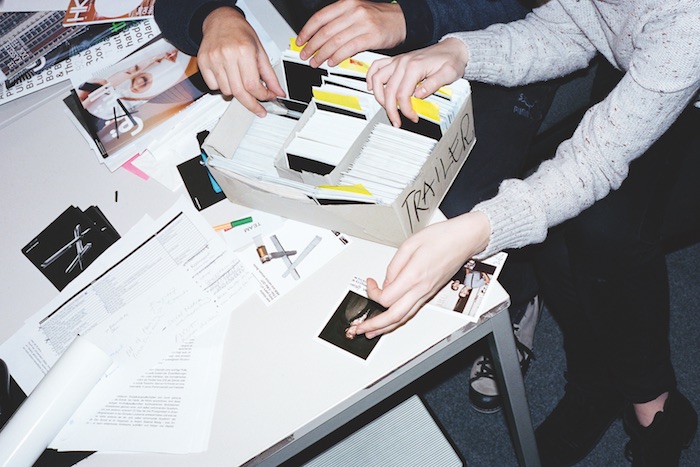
[[483, 390], [660, 444], [576, 425]]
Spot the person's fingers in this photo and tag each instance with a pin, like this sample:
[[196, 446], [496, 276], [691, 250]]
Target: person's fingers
[[211, 81], [395, 316], [344, 43], [312, 28], [374, 69], [327, 39], [267, 73], [391, 86]]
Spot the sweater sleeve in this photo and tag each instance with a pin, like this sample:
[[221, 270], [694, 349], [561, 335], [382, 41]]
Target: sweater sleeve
[[662, 79], [181, 21], [544, 45]]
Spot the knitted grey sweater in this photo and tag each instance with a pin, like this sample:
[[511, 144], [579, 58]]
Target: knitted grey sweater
[[656, 42]]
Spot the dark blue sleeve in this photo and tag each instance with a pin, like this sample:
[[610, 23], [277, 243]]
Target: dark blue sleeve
[[181, 21], [428, 20]]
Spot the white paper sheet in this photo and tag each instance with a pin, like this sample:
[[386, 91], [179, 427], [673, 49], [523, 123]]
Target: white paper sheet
[[174, 400], [131, 303]]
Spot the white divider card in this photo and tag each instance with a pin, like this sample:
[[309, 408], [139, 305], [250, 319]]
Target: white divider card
[[325, 138]]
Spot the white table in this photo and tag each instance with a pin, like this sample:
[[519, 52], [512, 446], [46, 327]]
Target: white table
[[281, 389]]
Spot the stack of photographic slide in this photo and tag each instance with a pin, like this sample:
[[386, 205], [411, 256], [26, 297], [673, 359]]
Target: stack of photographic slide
[[328, 134], [390, 160], [449, 99], [255, 156], [255, 159], [323, 141]]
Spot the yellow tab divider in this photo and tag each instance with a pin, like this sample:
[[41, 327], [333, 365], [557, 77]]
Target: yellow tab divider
[[349, 102], [354, 64], [426, 109], [357, 188]]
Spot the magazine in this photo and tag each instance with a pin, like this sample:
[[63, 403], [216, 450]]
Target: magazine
[[467, 289], [107, 51], [124, 105], [81, 12], [25, 37]]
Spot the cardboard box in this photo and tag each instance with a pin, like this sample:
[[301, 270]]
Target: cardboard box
[[387, 224]]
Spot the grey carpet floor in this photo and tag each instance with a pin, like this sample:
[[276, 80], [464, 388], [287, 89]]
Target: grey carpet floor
[[483, 439]]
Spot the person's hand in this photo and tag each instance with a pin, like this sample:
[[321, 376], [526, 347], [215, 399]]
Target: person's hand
[[347, 27], [418, 73], [423, 264], [232, 59]]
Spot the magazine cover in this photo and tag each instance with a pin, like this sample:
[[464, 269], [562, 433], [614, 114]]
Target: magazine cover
[[81, 12], [82, 39], [27, 36], [126, 102]]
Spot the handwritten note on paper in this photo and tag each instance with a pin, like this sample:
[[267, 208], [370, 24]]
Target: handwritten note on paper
[[435, 177]]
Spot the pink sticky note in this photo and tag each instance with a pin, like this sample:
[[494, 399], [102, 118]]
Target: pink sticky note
[[135, 170]]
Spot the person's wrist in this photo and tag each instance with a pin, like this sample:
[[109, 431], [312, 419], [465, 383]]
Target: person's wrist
[[222, 13], [475, 228], [483, 230], [397, 23], [458, 49]]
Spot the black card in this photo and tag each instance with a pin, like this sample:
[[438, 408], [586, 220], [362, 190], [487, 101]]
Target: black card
[[64, 249], [196, 177]]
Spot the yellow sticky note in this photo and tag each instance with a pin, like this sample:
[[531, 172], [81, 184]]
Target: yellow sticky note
[[349, 102], [357, 188], [426, 109]]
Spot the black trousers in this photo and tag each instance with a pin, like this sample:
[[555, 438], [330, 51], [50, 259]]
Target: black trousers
[[506, 120], [603, 274]]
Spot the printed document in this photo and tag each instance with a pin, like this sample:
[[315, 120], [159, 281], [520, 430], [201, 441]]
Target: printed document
[[149, 295]]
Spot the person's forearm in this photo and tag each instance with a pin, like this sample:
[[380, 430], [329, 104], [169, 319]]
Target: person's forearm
[[586, 167]]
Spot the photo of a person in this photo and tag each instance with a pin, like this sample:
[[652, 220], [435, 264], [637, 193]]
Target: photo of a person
[[463, 297], [340, 329], [135, 80], [460, 293], [474, 278], [133, 97]]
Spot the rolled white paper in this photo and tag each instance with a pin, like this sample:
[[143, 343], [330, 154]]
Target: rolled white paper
[[49, 407]]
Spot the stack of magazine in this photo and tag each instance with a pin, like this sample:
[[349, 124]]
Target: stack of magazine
[[124, 106], [41, 48]]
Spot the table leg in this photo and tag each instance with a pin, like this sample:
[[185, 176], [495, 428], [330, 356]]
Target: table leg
[[516, 409]]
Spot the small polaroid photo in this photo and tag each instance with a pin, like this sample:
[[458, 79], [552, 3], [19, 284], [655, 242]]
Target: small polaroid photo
[[468, 287], [340, 328]]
